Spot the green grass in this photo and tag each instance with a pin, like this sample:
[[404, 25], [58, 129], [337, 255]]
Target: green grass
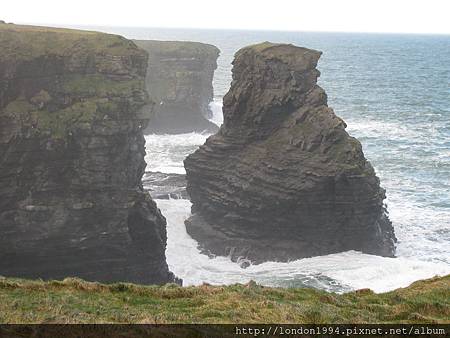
[[77, 301], [21, 42], [58, 123], [281, 51], [179, 48], [94, 95]]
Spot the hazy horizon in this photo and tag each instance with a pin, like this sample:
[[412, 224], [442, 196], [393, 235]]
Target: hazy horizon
[[95, 27], [346, 16]]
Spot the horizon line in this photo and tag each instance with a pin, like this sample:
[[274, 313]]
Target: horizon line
[[59, 25]]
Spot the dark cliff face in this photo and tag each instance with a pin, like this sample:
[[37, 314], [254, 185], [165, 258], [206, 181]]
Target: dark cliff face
[[179, 81], [72, 158], [282, 179]]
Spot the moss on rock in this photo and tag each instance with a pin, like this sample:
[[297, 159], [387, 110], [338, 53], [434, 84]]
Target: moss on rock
[[28, 42], [92, 75]]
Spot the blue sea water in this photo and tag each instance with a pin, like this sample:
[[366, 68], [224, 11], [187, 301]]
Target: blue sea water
[[393, 91]]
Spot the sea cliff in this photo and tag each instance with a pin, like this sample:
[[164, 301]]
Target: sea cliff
[[179, 81], [72, 158], [282, 179]]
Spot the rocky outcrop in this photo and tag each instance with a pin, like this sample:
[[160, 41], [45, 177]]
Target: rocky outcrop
[[179, 81], [72, 159], [282, 179]]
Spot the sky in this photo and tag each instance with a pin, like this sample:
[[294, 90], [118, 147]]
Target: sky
[[394, 16]]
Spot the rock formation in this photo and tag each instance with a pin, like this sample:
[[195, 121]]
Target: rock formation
[[72, 158], [282, 179], [179, 81]]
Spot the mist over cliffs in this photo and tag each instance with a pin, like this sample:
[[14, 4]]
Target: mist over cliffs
[[72, 158], [282, 179]]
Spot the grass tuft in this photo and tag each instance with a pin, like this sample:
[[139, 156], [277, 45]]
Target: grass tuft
[[77, 301]]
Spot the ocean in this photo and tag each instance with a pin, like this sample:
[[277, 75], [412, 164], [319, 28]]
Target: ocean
[[393, 91]]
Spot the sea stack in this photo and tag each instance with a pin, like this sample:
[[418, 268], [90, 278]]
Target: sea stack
[[72, 158], [282, 179], [179, 81]]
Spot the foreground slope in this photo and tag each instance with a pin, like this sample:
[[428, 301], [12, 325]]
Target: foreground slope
[[76, 301]]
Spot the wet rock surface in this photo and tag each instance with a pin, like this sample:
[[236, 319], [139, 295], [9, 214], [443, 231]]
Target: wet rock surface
[[72, 158], [282, 179], [179, 81]]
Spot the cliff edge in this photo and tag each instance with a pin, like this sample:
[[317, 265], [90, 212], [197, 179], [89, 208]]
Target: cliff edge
[[282, 179], [73, 300], [72, 158]]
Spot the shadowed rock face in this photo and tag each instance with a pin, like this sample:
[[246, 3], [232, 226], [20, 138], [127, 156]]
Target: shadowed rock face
[[282, 179], [179, 81], [72, 159]]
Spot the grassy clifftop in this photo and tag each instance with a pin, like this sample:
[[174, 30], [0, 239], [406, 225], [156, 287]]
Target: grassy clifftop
[[77, 301], [54, 79], [23, 42], [179, 48]]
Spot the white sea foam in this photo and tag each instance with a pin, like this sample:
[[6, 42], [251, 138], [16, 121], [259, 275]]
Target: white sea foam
[[165, 153], [338, 272], [370, 128], [216, 108]]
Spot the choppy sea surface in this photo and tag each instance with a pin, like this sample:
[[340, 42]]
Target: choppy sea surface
[[393, 91]]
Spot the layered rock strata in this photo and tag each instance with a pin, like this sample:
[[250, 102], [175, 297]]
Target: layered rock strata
[[72, 158], [179, 81], [282, 179]]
